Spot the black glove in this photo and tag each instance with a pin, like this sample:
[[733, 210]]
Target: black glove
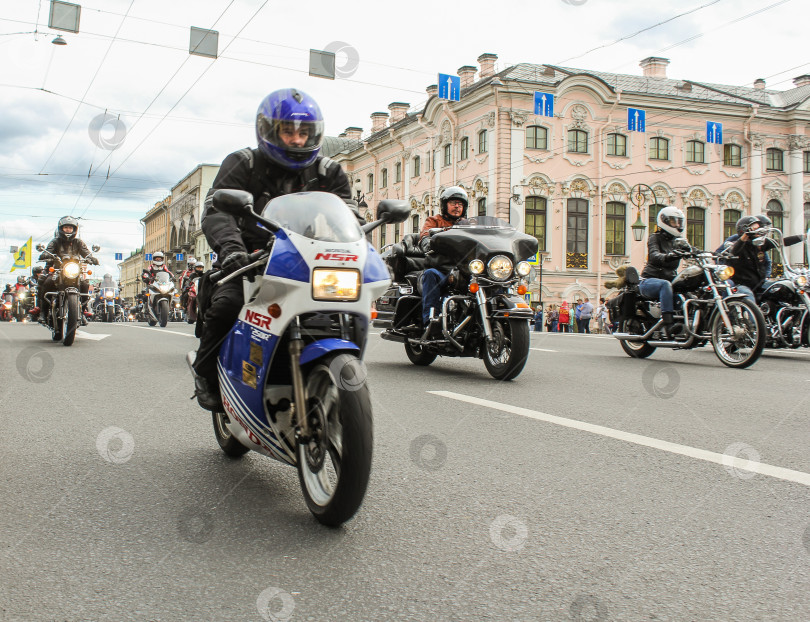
[[235, 260], [673, 255], [92, 260]]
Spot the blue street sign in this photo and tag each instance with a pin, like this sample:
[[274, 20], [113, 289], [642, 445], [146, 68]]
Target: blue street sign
[[449, 87], [179, 257], [119, 256], [544, 104], [636, 120], [213, 256], [714, 132], [148, 256]]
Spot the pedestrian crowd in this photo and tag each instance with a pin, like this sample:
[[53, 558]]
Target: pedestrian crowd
[[575, 317]]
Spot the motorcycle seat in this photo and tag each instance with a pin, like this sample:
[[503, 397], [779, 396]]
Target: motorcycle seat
[[406, 257]]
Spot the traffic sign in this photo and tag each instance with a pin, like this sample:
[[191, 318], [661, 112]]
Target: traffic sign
[[636, 120], [534, 259], [449, 87], [213, 256], [179, 257], [148, 257], [119, 256], [714, 132], [543, 104]]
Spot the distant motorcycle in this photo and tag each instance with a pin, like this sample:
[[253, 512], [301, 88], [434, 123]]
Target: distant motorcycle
[[109, 309], [65, 303], [23, 302], [191, 302], [6, 312], [161, 291]]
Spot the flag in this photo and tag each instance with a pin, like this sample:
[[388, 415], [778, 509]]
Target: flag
[[22, 259]]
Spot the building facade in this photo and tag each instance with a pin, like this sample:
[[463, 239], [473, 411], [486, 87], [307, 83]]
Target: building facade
[[130, 270], [570, 175], [185, 214]]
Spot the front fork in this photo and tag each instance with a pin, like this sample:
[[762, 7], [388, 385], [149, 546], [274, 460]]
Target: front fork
[[299, 393], [482, 307]]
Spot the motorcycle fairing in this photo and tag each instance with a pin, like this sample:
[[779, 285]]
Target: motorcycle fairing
[[375, 268], [317, 349], [506, 305], [285, 260]]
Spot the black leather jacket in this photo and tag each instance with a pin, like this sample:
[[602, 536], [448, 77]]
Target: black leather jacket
[[661, 264], [751, 263], [249, 170], [60, 248]]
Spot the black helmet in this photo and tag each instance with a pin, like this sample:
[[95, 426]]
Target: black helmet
[[764, 221], [454, 192], [37, 270], [21, 280], [745, 223], [67, 220]]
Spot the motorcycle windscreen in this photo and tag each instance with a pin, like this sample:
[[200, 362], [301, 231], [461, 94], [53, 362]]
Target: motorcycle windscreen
[[318, 216], [466, 243], [163, 277]]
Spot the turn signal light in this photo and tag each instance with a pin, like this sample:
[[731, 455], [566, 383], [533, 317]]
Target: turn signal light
[[521, 289], [374, 314], [89, 273], [474, 287], [274, 310], [50, 269]]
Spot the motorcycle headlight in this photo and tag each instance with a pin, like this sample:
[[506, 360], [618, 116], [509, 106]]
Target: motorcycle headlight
[[21, 295], [164, 288], [329, 284], [500, 267], [476, 266], [177, 304], [523, 268], [724, 273], [801, 280], [109, 295], [71, 270]]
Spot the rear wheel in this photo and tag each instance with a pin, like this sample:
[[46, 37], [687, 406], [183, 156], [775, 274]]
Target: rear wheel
[[163, 313], [419, 355], [226, 440], [506, 356], [72, 319], [636, 349], [334, 465], [743, 345]]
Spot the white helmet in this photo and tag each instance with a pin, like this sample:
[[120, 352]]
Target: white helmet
[[157, 259], [191, 262], [671, 220]]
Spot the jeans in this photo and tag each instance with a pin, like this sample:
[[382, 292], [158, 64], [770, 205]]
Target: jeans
[[432, 282], [749, 294], [658, 288]]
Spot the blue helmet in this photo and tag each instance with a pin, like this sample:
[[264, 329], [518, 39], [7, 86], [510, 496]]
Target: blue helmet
[[289, 128]]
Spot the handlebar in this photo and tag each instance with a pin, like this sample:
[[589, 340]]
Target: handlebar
[[255, 258]]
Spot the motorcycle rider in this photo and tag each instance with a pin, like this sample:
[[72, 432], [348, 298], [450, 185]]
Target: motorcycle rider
[[665, 248], [185, 281], [454, 203], [289, 132], [158, 265], [749, 255], [66, 242], [36, 273]]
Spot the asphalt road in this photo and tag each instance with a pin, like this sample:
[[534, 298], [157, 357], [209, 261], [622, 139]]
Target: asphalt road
[[593, 487]]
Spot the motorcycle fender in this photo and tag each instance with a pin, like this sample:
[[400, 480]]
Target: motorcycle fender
[[516, 307], [322, 347]]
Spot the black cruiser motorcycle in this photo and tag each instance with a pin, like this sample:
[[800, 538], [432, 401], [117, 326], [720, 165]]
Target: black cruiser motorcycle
[[66, 302], [706, 308], [483, 312]]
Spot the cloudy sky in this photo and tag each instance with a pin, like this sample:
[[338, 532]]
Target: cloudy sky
[[173, 111]]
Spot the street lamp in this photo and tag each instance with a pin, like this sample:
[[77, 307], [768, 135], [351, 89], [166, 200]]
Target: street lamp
[[639, 198]]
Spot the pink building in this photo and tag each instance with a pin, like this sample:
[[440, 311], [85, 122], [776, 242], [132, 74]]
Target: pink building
[[567, 178]]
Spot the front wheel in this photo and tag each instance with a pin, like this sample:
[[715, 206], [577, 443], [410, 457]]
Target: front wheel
[[506, 356], [72, 319], [419, 355], [742, 346], [636, 349], [163, 313], [335, 463], [232, 447]]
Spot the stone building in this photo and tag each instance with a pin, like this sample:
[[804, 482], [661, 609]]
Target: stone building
[[131, 269], [567, 178], [185, 214]]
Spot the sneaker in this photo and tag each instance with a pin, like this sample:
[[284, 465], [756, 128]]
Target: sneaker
[[208, 396]]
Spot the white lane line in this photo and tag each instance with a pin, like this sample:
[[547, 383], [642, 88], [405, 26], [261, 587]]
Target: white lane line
[[92, 336], [162, 330], [542, 349], [574, 335], [684, 450]]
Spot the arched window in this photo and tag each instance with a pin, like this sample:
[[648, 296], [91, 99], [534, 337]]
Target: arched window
[[696, 226], [536, 137], [482, 141], [415, 223], [659, 149], [577, 238], [615, 226], [773, 160], [464, 149], [730, 218], [482, 206], [370, 184], [577, 141], [777, 216], [695, 152], [384, 178], [417, 166], [398, 172], [616, 145], [173, 238], [535, 219]]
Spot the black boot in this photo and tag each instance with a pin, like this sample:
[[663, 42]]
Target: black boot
[[208, 395], [670, 330]]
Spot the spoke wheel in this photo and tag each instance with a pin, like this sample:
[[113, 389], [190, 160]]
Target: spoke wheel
[[636, 349], [335, 462], [743, 345], [506, 356]]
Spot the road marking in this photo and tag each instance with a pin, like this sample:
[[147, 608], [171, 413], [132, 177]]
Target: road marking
[[542, 349], [162, 330], [92, 336], [578, 335], [646, 441]]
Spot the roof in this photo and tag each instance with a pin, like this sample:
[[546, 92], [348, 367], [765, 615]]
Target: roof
[[333, 145], [723, 93]]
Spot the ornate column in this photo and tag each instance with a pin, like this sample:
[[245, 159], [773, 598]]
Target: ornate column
[[797, 143]]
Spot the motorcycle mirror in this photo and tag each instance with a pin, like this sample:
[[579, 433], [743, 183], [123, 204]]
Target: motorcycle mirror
[[40, 247], [393, 210], [96, 248], [235, 202]]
